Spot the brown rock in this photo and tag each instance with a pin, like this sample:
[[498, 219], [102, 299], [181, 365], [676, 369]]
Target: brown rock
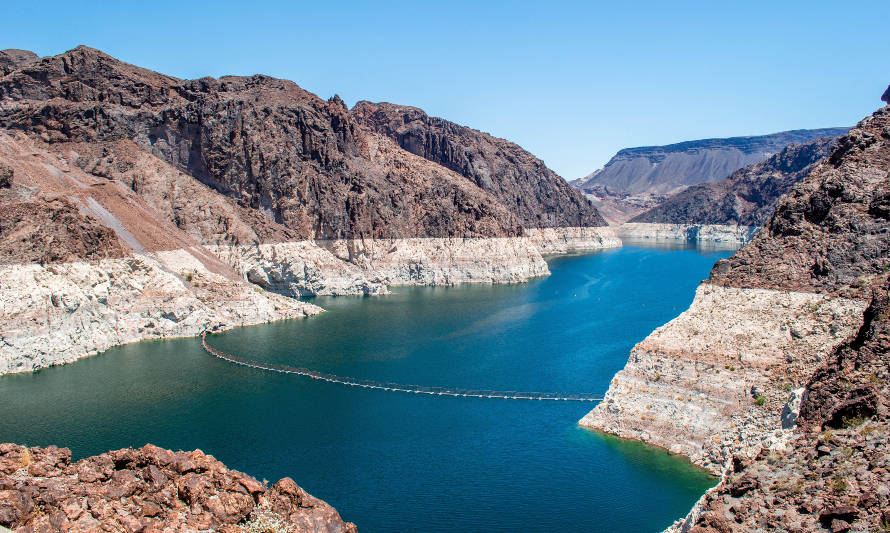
[[207, 496], [743, 485]]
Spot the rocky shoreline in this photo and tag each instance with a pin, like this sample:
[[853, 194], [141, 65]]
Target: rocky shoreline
[[710, 234], [57, 313], [713, 382], [776, 377]]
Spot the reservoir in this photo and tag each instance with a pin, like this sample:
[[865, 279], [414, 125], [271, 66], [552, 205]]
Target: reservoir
[[392, 461]]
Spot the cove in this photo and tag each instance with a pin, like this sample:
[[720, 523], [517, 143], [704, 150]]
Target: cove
[[402, 462]]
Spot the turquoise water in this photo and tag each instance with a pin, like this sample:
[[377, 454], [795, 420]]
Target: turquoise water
[[403, 462]]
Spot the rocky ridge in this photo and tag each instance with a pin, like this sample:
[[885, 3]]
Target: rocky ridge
[[149, 489], [661, 169], [817, 262]]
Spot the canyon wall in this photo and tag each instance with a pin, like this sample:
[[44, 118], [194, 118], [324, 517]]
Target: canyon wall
[[748, 196], [775, 349]]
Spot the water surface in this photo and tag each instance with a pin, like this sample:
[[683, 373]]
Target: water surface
[[403, 462]]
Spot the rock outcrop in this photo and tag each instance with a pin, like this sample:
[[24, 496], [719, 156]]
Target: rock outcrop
[[693, 385], [835, 475], [149, 489], [816, 265], [748, 196], [831, 234]]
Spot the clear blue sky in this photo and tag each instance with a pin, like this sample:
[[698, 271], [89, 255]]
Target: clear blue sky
[[573, 82]]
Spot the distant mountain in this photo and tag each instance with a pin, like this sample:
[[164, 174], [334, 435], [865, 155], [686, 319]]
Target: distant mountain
[[747, 197], [667, 169]]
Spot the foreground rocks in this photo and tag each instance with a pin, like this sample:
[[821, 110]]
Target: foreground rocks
[[148, 490]]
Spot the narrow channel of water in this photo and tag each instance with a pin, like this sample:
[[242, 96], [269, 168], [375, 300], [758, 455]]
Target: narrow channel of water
[[402, 462]]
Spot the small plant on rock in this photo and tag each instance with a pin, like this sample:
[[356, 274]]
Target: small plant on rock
[[852, 421], [838, 485], [760, 400]]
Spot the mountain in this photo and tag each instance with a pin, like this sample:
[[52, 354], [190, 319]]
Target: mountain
[[273, 147], [748, 196], [533, 192], [231, 196], [636, 180], [664, 169]]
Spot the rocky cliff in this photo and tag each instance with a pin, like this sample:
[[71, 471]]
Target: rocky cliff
[[785, 322], [536, 195], [149, 489], [748, 196]]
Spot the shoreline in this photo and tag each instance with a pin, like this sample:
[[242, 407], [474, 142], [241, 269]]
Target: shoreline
[[58, 313]]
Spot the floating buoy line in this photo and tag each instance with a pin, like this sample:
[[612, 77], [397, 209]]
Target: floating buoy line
[[397, 387]]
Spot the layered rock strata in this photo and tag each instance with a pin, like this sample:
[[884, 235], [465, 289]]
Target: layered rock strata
[[835, 475], [569, 240], [730, 235], [692, 386], [662, 169], [149, 489], [57, 313]]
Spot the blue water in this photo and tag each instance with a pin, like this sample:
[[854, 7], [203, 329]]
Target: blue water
[[395, 461]]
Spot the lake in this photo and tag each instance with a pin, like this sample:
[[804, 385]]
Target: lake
[[391, 461]]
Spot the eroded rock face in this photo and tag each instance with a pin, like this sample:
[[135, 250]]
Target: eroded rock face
[[57, 313], [713, 382], [835, 475], [521, 182], [52, 231], [149, 489], [12, 59]]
